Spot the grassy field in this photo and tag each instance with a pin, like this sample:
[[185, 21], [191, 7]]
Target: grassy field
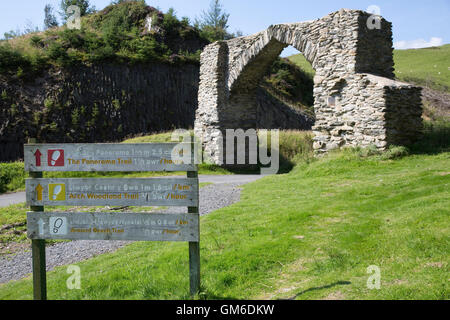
[[428, 67], [308, 234]]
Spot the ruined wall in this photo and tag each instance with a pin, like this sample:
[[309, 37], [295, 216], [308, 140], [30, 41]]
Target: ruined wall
[[354, 105]]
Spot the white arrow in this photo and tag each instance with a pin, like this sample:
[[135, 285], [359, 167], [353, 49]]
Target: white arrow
[[41, 227]]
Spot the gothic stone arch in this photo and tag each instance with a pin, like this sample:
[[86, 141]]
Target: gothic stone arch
[[357, 100]]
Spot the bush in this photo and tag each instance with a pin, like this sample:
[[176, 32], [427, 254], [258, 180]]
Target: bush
[[36, 41], [57, 53], [115, 34], [12, 176], [394, 152], [11, 60]]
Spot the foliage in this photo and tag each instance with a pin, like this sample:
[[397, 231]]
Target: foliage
[[214, 22], [14, 63], [12, 176], [118, 34], [50, 20]]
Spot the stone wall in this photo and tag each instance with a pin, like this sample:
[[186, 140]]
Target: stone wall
[[354, 104]]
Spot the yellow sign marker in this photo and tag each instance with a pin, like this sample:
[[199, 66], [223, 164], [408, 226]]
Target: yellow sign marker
[[57, 192]]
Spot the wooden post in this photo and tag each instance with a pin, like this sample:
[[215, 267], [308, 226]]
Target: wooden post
[[194, 247], [38, 253]]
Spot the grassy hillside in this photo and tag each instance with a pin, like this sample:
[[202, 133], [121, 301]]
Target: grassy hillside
[[309, 234], [426, 67], [300, 61], [291, 84], [119, 33]]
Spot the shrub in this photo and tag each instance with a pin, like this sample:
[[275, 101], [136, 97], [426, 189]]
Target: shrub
[[11, 60], [36, 41], [12, 176], [57, 53], [394, 152]]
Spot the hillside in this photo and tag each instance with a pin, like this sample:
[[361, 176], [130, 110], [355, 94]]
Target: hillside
[[130, 69], [129, 32], [428, 67]]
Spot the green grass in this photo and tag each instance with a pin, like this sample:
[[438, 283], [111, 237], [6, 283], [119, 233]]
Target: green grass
[[309, 234], [12, 177], [13, 215], [428, 67], [300, 61]]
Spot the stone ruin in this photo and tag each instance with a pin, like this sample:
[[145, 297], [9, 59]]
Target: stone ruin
[[357, 102]]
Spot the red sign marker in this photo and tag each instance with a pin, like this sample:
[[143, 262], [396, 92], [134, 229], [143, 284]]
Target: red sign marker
[[38, 155], [55, 158]]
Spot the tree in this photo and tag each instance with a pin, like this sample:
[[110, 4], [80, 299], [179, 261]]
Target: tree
[[84, 5], [50, 20], [214, 22]]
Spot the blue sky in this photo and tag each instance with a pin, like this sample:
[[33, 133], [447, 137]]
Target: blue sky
[[415, 23]]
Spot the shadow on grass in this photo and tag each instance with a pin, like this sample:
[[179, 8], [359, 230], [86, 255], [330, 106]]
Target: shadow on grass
[[435, 139], [285, 164], [339, 283], [211, 296]]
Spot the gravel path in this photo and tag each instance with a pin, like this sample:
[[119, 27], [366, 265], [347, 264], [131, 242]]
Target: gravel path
[[18, 266]]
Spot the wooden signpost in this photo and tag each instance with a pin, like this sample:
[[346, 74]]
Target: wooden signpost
[[113, 192]]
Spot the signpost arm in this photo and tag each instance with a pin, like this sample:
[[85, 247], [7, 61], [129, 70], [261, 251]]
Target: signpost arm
[[38, 253], [194, 247]]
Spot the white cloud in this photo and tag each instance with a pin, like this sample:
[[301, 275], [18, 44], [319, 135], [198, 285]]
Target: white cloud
[[418, 43]]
